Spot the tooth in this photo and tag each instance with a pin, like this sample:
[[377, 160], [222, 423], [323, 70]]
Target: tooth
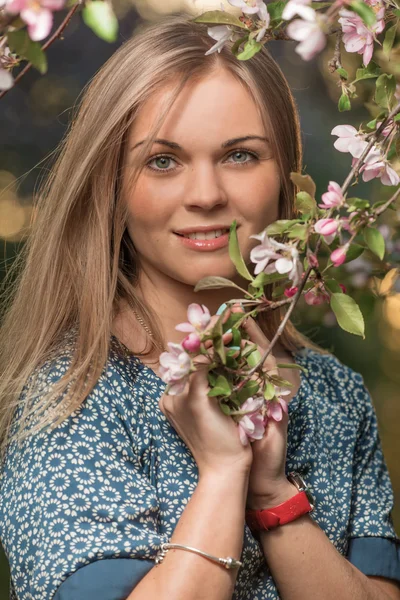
[[210, 235]]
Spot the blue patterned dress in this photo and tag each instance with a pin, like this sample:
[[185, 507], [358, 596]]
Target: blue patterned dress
[[85, 507]]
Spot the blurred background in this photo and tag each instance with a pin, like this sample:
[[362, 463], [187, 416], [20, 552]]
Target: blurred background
[[33, 119]]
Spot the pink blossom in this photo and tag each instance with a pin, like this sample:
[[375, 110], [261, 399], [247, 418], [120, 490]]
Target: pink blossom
[[174, 369], [326, 227], [316, 296], [310, 35], [285, 257], [357, 37], [275, 408], [37, 14], [290, 292], [349, 140], [192, 342], [333, 197], [251, 424], [343, 288], [376, 166], [338, 256], [249, 7], [198, 319]]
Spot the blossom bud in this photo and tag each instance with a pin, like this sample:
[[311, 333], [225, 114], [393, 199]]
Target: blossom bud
[[326, 226], [338, 256], [192, 342], [342, 287], [290, 292]]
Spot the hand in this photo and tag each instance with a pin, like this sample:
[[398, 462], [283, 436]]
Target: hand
[[211, 436], [268, 483]]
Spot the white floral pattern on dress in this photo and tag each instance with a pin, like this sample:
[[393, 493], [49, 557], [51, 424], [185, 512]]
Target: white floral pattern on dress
[[113, 479]]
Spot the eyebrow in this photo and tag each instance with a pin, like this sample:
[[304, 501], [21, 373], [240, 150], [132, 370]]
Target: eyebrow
[[226, 144]]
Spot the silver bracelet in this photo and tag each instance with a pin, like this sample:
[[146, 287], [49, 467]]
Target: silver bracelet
[[228, 562]]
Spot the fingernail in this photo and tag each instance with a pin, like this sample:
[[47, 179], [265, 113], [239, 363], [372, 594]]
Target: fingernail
[[234, 347], [229, 331], [221, 309]]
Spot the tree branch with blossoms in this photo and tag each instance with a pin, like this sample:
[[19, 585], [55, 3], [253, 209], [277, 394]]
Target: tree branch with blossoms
[[302, 251]]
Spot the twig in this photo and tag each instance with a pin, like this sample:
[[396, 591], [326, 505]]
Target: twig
[[55, 35], [382, 208], [335, 62]]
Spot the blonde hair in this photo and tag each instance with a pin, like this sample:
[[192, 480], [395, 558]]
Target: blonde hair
[[79, 261]]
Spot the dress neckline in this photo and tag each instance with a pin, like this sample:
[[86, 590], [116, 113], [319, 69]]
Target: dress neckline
[[299, 357]]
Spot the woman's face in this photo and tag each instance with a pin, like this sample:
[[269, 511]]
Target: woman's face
[[202, 183]]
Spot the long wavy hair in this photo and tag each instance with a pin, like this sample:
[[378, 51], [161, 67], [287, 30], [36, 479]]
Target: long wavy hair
[[79, 262]]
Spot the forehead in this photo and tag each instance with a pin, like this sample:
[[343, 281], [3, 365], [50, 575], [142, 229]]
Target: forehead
[[215, 107]]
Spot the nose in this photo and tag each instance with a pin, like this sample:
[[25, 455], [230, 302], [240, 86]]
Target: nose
[[204, 190]]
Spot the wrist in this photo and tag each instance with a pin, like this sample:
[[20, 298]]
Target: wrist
[[266, 501]]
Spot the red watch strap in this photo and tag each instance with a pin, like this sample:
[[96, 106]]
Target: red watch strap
[[286, 512]]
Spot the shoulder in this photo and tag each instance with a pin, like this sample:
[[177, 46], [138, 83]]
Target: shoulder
[[329, 378]]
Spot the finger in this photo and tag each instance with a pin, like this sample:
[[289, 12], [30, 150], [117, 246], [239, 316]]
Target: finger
[[255, 333]]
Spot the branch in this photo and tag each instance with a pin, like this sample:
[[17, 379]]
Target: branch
[[382, 208], [55, 35]]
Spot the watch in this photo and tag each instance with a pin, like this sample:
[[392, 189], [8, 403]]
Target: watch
[[300, 504]]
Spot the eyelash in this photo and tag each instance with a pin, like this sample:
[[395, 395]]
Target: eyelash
[[251, 152]]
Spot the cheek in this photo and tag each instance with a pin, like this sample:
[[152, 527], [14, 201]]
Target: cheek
[[260, 198], [150, 207]]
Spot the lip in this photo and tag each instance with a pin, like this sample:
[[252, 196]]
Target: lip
[[201, 228], [205, 245]]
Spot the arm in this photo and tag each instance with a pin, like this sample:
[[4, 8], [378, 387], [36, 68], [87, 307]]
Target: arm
[[213, 521], [305, 565]]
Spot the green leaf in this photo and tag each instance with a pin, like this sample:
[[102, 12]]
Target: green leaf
[[390, 36], [298, 231], [363, 10], [385, 89], [236, 337], [344, 103], [230, 322], [369, 72], [212, 378], [305, 203], [333, 286], [216, 335], [397, 118], [236, 255], [235, 47], [250, 49], [219, 17], [372, 124], [250, 389], [304, 182], [269, 391], [213, 283], [254, 358], [281, 226], [99, 16], [263, 279], [275, 10], [20, 43], [348, 314], [396, 11], [375, 241], [291, 366], [225, 409], [342, 72], [357, 203], [222, 387]]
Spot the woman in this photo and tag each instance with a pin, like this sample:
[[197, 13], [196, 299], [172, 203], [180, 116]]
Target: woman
[[100, 467]]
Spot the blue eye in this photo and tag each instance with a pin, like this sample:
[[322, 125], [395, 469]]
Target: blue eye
[[164, 157]]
